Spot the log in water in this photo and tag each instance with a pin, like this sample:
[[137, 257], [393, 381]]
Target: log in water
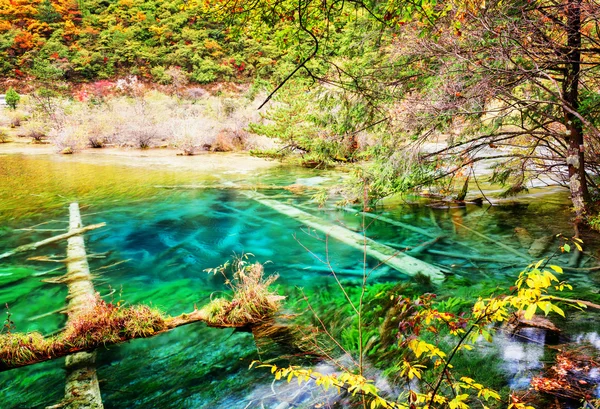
[[402, 262]]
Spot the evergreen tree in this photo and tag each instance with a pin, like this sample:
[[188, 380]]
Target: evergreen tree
[[12, 98]]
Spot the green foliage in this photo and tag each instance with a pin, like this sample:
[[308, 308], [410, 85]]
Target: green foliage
[[315, 126], [12, 98], [47, 13]]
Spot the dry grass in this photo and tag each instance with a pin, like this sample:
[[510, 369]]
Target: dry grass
[[145, 119], [110, 323], [103, 323], [253, 301], [4, 137]]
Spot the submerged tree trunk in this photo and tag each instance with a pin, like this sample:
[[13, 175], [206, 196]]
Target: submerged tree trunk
[[81, 388], [403, 263]]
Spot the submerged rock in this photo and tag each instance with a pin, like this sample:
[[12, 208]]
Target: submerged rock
[[525, 239], [539, 246]]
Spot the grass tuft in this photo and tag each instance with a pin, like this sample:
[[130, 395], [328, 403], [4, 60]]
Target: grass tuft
[[253, 301]]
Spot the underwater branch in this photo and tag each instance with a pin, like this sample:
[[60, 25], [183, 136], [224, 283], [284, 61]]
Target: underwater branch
[[54, 239]]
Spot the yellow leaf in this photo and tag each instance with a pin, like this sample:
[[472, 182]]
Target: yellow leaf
[[529, 313], [558, 269], [558, 310]]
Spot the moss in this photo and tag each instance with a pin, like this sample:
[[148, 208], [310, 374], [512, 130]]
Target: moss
[[112, 323], [16, 348], [103, 323]]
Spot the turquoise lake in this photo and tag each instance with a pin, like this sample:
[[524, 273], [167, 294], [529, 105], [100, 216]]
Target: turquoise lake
[[158, 242]]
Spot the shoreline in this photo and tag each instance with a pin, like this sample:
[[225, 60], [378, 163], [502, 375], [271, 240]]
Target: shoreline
[[240, 162]]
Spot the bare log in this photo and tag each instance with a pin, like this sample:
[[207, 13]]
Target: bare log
[[471, 257], [452, 254], [573, 301], [231, 186], [81, 290], [581, 269], [34, 246], [463, 193], [415, 251]]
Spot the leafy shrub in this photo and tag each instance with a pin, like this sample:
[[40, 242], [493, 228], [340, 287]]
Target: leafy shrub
[[159, 74], [205, 71]]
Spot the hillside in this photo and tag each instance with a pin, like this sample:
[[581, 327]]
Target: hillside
[[156, 40]]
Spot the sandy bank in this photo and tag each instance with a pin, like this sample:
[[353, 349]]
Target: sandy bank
[[166, 159]]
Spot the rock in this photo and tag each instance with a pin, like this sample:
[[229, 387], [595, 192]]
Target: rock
[[518, 321], [67, 151], [539, 246]]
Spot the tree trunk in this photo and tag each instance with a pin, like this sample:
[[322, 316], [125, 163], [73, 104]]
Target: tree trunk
[[570, 94]]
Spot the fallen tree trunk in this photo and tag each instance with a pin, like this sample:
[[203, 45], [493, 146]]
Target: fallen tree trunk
[[403, 263], [169, 324], [227, 186], [415, 251], [452, 254], [34, 246], [573, 301], [104, 324], [471, 257]]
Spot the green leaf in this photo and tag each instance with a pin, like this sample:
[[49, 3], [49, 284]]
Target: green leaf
[[566, 247]]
